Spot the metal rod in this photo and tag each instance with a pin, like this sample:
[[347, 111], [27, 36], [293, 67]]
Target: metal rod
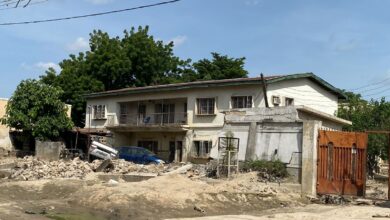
[[229, 164], [264, 90]]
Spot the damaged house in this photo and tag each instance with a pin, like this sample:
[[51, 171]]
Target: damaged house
[[183, 121]]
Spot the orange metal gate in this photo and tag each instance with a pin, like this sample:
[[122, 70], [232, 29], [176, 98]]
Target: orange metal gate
[[341, 163]]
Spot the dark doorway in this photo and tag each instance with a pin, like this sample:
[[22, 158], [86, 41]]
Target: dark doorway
[[172, 151], [180, 149]]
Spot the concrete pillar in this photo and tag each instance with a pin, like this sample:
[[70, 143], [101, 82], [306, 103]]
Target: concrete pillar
[[187, 144], [309, 157], [251, 144]]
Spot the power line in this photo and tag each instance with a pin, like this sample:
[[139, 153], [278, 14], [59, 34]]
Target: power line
[[32, 3], [370, 85], [90, 15]]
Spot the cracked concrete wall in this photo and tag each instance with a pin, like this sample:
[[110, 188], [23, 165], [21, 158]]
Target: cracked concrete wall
[[309, 157]]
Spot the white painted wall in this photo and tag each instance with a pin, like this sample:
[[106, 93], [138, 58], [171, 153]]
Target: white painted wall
[[209, 128], [221, 94], [304, 92]]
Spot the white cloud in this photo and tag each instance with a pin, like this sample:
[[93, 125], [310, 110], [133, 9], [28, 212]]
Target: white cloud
[[80, 44], [46, 65], [178, 40], [99, 2]]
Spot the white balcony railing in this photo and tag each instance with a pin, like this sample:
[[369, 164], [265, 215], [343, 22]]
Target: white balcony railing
[[173, 118]]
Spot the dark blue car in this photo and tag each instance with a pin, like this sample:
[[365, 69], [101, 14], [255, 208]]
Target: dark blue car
[[138, 155]]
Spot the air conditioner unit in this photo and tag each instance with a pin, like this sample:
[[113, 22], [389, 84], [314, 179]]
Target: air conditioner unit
[[276, 100]]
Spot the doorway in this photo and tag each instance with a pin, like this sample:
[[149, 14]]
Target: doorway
[[172, 151]]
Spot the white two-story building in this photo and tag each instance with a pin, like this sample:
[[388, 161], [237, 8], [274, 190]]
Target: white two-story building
[[183, 121]]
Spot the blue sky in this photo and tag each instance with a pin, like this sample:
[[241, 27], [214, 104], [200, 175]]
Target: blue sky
[[345, 42]]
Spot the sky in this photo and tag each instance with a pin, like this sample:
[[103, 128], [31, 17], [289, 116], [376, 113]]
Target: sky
[[347, 43]]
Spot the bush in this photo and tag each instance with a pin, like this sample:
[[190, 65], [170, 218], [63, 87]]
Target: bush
[[267, 169]]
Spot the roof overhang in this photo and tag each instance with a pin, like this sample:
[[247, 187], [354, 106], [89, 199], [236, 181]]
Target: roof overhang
[[323, 115], [219, 83]]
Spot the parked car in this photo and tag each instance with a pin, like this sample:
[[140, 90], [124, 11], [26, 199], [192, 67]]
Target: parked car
[[138, 155]]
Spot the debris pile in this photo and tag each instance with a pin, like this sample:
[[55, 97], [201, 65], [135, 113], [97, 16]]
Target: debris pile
[[30, 168]]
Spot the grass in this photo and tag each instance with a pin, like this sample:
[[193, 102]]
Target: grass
[[267, 169]]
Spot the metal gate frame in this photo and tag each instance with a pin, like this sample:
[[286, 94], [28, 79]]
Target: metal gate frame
[[341, 164]]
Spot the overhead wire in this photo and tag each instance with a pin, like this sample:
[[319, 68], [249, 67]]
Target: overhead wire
[[32, 3], [90, 15]]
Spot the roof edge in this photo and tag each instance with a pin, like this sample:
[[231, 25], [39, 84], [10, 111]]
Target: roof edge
[[323, 115], [340, 94]]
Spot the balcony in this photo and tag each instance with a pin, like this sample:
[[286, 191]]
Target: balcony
[[150, 114], [173, 118], [157, 121]]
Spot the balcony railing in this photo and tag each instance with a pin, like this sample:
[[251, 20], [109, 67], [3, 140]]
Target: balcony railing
[[173, 118]]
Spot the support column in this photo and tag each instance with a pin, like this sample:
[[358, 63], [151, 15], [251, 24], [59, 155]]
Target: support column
[[309, 157], [251, 144]]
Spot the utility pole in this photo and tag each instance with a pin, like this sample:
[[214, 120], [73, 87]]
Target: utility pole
[[264, 90]]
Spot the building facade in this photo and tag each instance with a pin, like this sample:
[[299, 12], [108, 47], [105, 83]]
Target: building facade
[[181, 122]]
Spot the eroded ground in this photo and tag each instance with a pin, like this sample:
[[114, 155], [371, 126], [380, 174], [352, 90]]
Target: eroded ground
[[162, 197]]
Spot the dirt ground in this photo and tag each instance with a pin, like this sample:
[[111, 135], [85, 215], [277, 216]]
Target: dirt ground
[[162, 197], [171, 197], [312, 212]]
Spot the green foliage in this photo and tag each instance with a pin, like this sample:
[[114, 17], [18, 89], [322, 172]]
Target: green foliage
[[368, 115], [220, 67], [136, 59], [274, 168], [36, 107]]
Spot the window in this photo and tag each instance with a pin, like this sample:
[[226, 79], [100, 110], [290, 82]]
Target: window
[[150, 145], [242, 102], [276, 100], [99, 112], [206, 106], [202, 149], [185, 110], [289, 101]]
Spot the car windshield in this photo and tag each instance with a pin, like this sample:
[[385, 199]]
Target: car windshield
[[136, 151], [148, 152]]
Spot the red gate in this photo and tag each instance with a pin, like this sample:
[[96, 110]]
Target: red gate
[[341, 163]]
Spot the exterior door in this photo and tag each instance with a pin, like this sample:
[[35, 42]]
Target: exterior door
[[341, 163], [180, 149], [172, 151]]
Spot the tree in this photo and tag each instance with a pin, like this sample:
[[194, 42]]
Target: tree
[[368, 115], [136, 59], [36, 108], [220, 67], [114, 63]]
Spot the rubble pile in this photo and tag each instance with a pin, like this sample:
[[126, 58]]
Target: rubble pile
[[30, 168]]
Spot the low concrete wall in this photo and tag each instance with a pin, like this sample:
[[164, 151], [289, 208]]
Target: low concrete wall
[[5, 141], [309, 157], [48, 150]]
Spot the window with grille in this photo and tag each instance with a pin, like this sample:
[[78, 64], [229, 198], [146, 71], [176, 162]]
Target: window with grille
[[206, 106], [242, 102], [201, 149], [289, 101], [99, 112]]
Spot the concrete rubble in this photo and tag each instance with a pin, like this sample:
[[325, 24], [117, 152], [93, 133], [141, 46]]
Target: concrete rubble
[[30, 168]]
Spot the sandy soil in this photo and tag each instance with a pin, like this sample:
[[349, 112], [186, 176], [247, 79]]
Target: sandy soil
[[173, 196], [312, 212], [158, 198]]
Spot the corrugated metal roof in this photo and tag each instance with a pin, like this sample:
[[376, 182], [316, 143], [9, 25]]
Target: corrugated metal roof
[[215, 83]]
